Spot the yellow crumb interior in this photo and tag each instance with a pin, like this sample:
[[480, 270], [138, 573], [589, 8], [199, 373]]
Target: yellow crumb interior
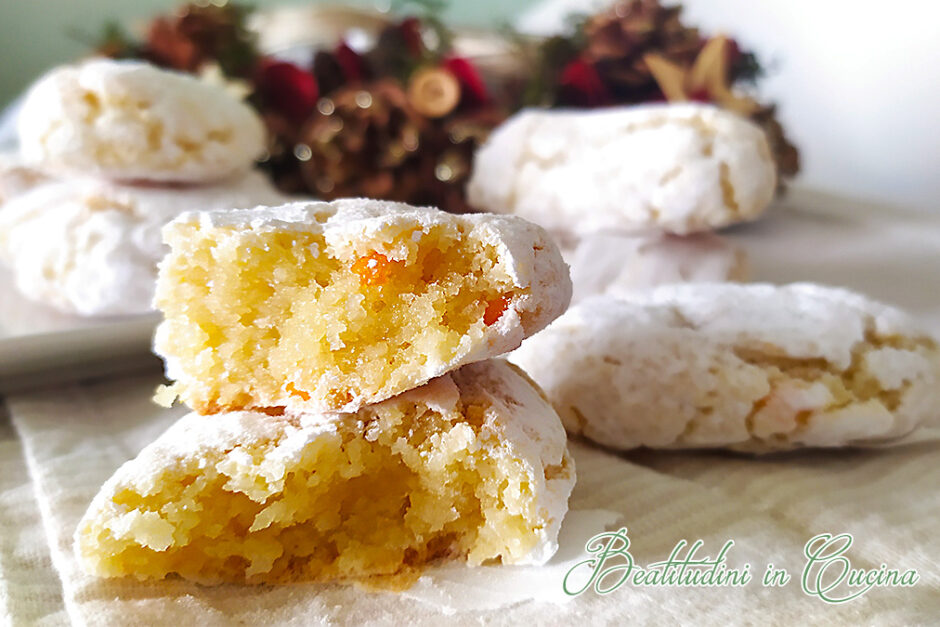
[[378, 497], [262, 319]]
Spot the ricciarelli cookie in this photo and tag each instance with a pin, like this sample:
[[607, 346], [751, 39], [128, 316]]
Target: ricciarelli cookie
[[610, 264], [748, 367], [91, 248], [319, 306], [679, 168], [472, 466], [127, 120]]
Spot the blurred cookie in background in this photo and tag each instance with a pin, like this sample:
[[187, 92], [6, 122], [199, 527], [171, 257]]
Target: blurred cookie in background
[[610, 264], [676, 168], [131, 121], [91, 247]]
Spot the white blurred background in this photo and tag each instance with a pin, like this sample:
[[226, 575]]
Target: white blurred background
[[857, 81]]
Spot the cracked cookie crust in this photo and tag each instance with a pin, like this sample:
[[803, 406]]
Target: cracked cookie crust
[[754, 368], [677, 168], [128, 120]]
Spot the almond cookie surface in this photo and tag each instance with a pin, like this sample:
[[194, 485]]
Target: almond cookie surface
[[471, 466], [320, 306], [89, 247], [129, 120], [610, 264], [679, 168], [747, 367]]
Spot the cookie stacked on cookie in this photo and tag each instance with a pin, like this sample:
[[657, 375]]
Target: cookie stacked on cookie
[[658, 179], [350, 418], [110, 151]]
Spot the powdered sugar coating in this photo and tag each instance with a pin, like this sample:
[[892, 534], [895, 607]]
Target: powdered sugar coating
[[91, 247], [128, 120], [748, 367], [610, 264], [679, 168], [258, 452], [521, 415]]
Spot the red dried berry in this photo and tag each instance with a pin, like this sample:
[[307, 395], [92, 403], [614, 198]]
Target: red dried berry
[[581, 85], [286, 88], [354, 68], [472, 88]]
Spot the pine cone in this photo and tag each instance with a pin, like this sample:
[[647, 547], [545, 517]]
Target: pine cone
[[368, 141], [398, 50], [114, 42], [195, 34], [463, 135], [785, 154], [362, 141], [281, 161], [617, 39]]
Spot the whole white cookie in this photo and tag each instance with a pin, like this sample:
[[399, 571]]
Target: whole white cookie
[[748, 367], [610, 264], [679, 168], [480, 446], [128, 120], [89, 247]]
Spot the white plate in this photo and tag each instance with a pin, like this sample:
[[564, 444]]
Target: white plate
[[39, 345]]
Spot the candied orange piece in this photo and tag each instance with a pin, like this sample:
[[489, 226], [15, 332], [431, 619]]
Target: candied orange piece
[[375, 268], [294, 391], [494, 309]]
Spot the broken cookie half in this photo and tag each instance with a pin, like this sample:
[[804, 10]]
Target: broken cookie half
[[471, 466], [329, 306]]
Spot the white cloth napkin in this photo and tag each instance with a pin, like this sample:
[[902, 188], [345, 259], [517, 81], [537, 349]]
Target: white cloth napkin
[[30, 590], [770, 507]]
